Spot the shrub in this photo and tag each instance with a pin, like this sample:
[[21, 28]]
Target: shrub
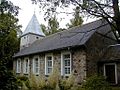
[[54, 78], [96, 83], [23, 82], [67, 83]]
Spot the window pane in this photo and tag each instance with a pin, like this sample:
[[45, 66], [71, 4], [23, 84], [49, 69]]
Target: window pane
[[36, 62], [19, 67], [49, 63], [26, 66], [36, 70], [67, 70], [67, 62], [49, 70], [66, 56], [49, 58], [36, 65]]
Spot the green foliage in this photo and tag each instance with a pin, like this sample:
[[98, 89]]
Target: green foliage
[[9, 44], [54, 78], [116, 88], [67, 83], [8, 7], [7, 80], [22, 78], [44, 29], [53, 82], [77, 20], [53, 26], [96, 83], [56, 82], [23, 82]]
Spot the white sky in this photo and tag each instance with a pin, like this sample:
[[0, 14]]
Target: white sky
[[27, 10]]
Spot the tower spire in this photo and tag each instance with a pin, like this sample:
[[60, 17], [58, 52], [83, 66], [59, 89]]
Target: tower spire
[[34, 10]]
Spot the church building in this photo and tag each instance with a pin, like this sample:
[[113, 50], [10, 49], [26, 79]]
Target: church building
[[83, 50]]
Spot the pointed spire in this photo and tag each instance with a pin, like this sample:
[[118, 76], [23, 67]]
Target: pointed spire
[[34, 27], [34, 10]]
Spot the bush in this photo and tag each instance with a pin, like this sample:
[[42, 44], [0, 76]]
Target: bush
[[8, 81], [23, 82], [67, 83], [96, 83]]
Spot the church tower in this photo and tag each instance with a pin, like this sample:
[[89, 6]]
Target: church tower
[[32, 33]]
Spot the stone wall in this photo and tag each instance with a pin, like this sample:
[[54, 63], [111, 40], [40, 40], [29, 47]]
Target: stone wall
[[78, 63], [111, 56], [95, 49]]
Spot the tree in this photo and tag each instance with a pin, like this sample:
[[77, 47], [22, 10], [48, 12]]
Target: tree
[[9, 44], [77, 20], [107, 9], [8, 7], [53, 26], [44, 29]]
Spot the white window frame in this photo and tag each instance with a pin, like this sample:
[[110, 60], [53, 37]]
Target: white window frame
[[34, 71], [18, 66], [26, 68], [116, 78], [46, 62], [62, 63]]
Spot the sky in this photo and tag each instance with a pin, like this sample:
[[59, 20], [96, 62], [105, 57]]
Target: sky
[[28, 9], [26, 12]]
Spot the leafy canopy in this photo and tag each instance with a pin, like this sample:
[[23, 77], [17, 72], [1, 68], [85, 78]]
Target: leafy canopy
[[9, 44], [77, 20]]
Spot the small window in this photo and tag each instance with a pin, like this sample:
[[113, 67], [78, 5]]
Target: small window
[[24, 37], [37, 37], [18, 69], [66, 64], [36, 65], [26, 66], [48, 64]]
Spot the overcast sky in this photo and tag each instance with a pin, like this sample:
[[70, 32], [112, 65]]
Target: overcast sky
[[27, 10]]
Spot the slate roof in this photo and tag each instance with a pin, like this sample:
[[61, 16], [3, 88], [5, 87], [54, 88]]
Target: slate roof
[[75, 36], [33, 27]]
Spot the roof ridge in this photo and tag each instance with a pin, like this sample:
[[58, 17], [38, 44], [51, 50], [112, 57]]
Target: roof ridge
[[71, 29]]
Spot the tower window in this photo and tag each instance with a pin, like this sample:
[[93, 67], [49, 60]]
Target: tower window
[[37, 37]]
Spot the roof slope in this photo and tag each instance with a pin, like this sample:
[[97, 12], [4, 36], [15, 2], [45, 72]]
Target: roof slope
[[33, 27], [69, 38]]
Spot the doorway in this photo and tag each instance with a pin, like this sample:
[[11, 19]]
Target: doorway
[[110, 72]]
